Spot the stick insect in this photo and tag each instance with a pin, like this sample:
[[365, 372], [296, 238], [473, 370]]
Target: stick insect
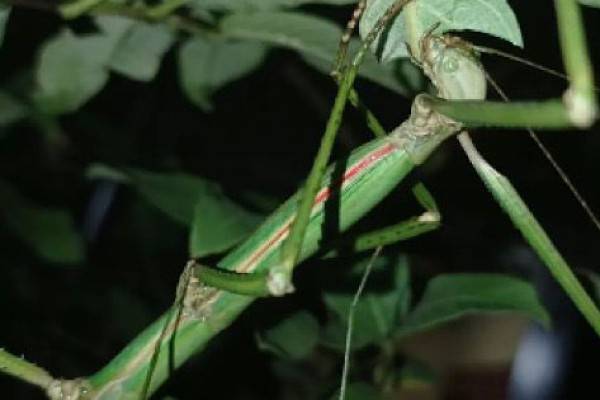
[[209, 299], [461, 85]]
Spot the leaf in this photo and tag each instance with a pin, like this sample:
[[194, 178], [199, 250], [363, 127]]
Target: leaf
[[591, 3], [414, 374], [253, 5], [379, 309], [11, 109], [50, 232], [4, 14], [449, 297], [216, 222], [219, 224], [315, 38], [293, 338], [139, 53], [494, 17], [72, 69], [101, 171], [305, 33], [205, 65]]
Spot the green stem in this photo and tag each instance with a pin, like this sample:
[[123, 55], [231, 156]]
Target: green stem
[[292, 246], [280, 276], [24, 370], [510, 201], [403, 230], [549, 114], [372, 121], [247, 284], [582, 102]]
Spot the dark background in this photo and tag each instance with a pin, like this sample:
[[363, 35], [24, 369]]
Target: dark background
[[261, 138]]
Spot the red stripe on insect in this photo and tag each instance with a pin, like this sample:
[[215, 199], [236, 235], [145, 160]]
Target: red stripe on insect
[[377, 155], [320, 198]]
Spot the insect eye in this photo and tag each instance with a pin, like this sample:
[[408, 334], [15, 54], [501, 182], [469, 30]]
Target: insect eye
[[450, 64]]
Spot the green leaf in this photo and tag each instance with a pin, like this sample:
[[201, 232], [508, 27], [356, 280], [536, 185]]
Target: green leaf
[[216, 222], [379, 310], [101, 171], [205, 65], [305, 33], [253, 5], [72, 69], [494, 17], [293, 338], [139, 53], [4, 14], [11, 109], [219, 224], [50, 232], [591, 3], [448, 297], [359, 391], [416, 374], [315, 38]]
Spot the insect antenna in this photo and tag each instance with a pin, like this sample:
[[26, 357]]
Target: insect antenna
[[561, 173], [539, 67], [524, 61], [340, 59]]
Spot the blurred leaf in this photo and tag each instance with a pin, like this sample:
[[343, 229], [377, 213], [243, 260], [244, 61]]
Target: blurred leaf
[[101, 171], [494, 17], [139, 53], [216, 222], [449, 297], [252, 5], [305, 33], [205, 65], [315, 38], [72, 69], [4, 14], [11, 109], [382, 74], [379, 309], [50, 232], [359, 391], [292, 338], [416, 374], [591, 3], [219, 224]]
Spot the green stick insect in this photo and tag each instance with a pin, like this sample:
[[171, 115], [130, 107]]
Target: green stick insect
[[209, 298]]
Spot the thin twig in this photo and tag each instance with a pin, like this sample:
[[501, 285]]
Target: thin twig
[[355, 300]]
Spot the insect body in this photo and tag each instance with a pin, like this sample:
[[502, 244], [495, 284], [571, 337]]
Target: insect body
[[453, 68]]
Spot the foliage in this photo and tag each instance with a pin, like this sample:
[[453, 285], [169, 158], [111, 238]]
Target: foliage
[[77, 98]]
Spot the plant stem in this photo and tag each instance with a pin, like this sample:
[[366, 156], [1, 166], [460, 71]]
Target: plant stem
[[24, 370], [348, 345], [582, 103], [510, 201]]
